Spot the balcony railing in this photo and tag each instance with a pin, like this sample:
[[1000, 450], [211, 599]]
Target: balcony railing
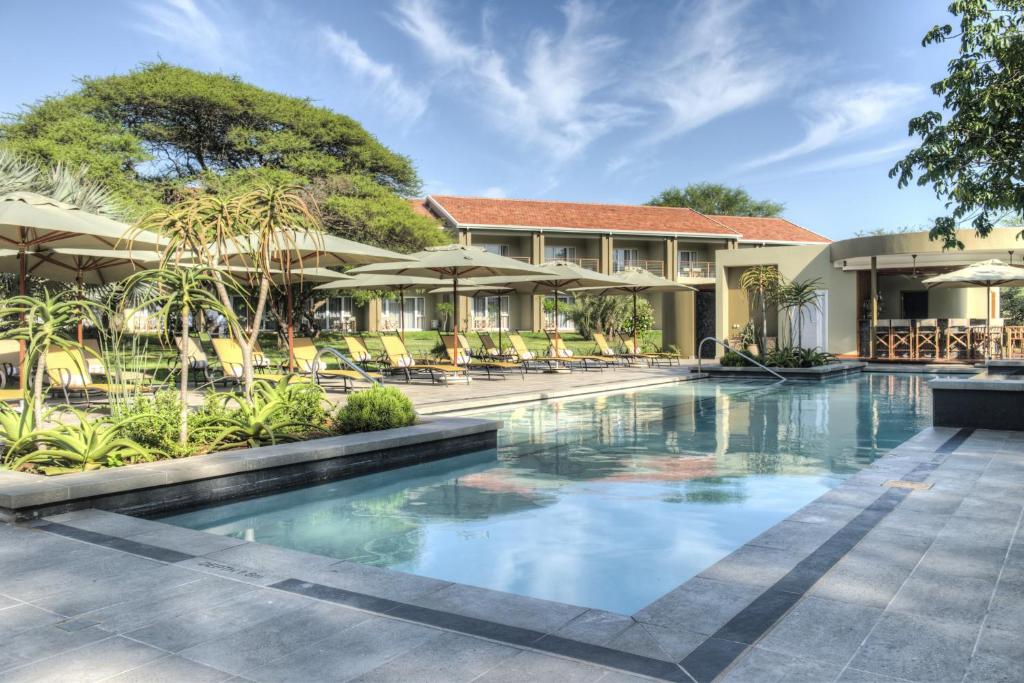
[[589, 263], [656, 267], [524, 259], [696, 269]]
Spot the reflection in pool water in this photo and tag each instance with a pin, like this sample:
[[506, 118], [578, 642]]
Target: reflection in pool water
[[607, 501]]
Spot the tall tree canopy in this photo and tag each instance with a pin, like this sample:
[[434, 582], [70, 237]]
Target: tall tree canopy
[[973, 159], [159, 128], [716, 199]]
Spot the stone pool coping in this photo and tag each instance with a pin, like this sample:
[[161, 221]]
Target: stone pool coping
[[840, 369], [166, 485], [695, 632], [978, 402]]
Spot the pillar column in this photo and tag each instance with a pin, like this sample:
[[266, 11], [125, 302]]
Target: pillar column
[[671, 249], [374, 314], [874, 306], [537, 302], [607, 250]]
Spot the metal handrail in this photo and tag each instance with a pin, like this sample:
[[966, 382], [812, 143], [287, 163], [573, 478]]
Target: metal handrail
[[726, 346], [344, 359]]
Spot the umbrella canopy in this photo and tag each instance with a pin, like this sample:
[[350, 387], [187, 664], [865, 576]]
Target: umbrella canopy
[[311, 248], [83, 266], [636, 281], [384, 282], [987, 274], [452, 262]]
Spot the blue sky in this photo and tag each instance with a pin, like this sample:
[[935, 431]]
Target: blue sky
[[801, 101]]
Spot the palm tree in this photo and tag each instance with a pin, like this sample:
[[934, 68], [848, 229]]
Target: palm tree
[[179, 291], [798, 295], [41, 323], [762, 284]]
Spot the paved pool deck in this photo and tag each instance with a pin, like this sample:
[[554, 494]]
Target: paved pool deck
[[919, 582]]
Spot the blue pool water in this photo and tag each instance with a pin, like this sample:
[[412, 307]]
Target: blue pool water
[[606, 501]]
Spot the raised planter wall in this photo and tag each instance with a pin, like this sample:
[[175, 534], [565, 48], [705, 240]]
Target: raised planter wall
[[978, 403], [818, 374], [168, 485]]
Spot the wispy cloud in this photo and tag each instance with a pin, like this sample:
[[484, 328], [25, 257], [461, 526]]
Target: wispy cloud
[[188, 26], [839, 114], [888, 154], [494, 192], [557, 99], [397, 99], [716, 65]]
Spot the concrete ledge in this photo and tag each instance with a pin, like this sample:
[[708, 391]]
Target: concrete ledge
[[978, 403], [168, 485], [922, 368], [804, 374]]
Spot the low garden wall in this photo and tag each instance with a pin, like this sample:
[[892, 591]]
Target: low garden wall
[[153, 488], [816, 374]]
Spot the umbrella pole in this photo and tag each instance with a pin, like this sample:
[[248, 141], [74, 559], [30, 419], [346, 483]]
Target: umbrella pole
[[636, 348], [499, 324], [401, 313], [455, 323], [988, 320], [291, 328], [22, 291], [81, 295]]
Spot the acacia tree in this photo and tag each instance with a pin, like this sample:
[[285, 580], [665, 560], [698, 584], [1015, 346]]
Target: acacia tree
[[762, 285], [972, 159], [716, 199]]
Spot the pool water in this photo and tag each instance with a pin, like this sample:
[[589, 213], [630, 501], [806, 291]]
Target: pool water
[[605, 501]]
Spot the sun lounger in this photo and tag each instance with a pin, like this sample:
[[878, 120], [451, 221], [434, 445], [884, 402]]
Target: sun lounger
[[9, 358], [198, 361], [521, 353], [560, 350], [68, 371], [605, 350], [229, 353], [490, 348], [657, 357], [306, 357], [398, 359], [488, 365]]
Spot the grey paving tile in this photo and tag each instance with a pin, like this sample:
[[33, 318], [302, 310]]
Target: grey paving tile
[[700, 605], [23, 617], [531, 666], [185, 630], [185, 540], [754, 566], [956, 557], [503, 608], [271, 559], [913, 523], [103, 522], [917, 648], [638, 640], [621, 677], [762, 666], [202, 594], [1007, 611], [92, 592], [171, 669], [825, 630], [595, 626], [999, 657], [377, 581], [797, 536], [851, 675], [45, 641], [92, 662], [936, 502], [235, 572], [873, 571], [858, 497], [6, 602], [824, 513], [272, 639], [348, 654], [447, 657]]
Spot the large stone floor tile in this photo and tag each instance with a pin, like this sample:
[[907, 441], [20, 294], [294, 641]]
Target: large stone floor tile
[[762, 666], [348, 654], [103, 522], [934, 595], [270, 559], [873, 571], [1007, 611], [448, 657], [532, 666], [917, 648], [171, 669], [185, 540], [999, 657], [93, 662], [504, 608], [700, 605], [23, 617], [98, 591], [754, 566], [825, 630], [45, 641], [376, 581], [272, 639]]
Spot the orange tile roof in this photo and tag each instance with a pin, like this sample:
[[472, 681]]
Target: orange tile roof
[[769, 229], [419, 206], [574, 215]]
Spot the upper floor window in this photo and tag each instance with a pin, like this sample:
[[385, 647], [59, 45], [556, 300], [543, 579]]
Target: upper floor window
[[499, 249], [557, 253]]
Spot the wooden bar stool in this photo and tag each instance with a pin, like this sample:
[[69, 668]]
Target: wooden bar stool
[[1014, 340], [902, 338], [958, 338], [926, 338], [883, 339]]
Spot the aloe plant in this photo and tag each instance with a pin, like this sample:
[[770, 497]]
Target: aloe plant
[[266, 417], [17, 432], [85, 443]]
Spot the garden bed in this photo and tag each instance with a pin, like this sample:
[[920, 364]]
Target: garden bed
[[153, 488]]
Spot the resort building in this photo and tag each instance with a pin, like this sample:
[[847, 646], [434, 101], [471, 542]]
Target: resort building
[[907, 320], [677, 243]]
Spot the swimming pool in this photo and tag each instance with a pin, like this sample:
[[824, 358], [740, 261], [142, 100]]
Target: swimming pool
[[606, 501]]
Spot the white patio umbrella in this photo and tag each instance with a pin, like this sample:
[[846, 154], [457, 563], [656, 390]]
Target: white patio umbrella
[[385, 283], [987, 274], [637, 281], [452, 262]]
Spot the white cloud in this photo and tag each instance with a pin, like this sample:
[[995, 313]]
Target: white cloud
[[185, 24], [888, 154], [494, 192], [717, 65], [837, 115], [398, 100], [559, 98]]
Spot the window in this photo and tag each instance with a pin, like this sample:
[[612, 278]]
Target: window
[[415, 310], [499, 249], [240, 305], [336, 314], [485, 312], [556, 253], [625, 258], [564, 321], [687, 264]]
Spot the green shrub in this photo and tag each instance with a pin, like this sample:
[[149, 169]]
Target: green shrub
[[154, 423], [374, 409], [731, 359]]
